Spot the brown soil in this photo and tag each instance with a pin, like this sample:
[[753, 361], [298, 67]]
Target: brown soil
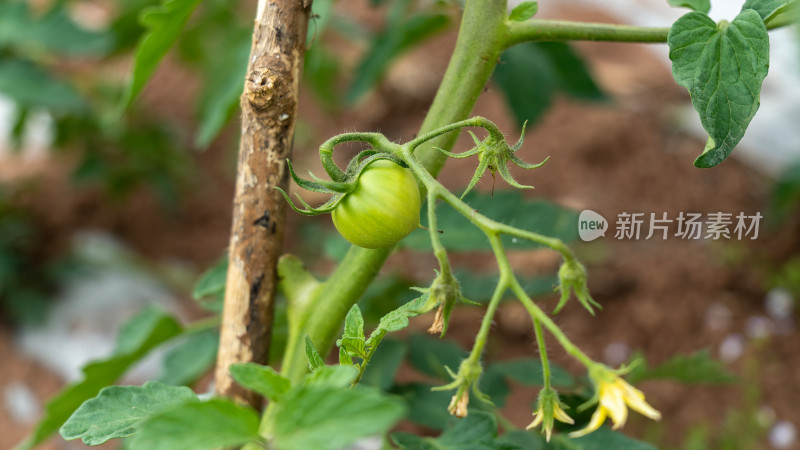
[[621, 156]]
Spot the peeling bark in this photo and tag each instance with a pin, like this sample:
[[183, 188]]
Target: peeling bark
[[269, 110]]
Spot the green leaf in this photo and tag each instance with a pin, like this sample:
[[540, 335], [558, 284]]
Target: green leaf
[[604, 439], [765, 8], [523, 11], [524, 440], [145, 331], [722, 67], [31, 86], [198, 426], [426, 407], [320, 418], [223, 86], [262, 379], [119, 411], [531, 74], [164, 24], [212, 283], [190, 359], [332, 376], [354, 323], [510, 207], [429, 355], [477, 431], [696, 368], [388, 45], [315, 361], [384, 363], [703, 6]]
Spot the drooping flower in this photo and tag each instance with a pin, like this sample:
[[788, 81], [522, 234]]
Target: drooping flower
[[614, 396], [549, 410]]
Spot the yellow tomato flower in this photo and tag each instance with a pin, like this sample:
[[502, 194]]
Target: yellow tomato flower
[[615, 396], [548, 411]]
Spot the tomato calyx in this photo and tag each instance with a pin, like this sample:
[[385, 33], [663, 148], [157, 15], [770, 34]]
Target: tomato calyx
[[444, 292], [494, 154], [341, 183]]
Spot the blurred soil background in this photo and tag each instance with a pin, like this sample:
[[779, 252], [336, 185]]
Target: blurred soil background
[[660, 298]]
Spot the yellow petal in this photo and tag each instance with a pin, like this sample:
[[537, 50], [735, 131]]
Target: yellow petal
[[562, 416], [635, 399], [598, 418], [537, 420], [612, 398]]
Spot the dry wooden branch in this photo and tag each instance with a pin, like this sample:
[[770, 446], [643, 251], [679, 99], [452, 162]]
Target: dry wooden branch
[[269, 110]]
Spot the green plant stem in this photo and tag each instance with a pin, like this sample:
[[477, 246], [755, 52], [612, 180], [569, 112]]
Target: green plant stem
[[438, 249], [537, 328], [488, 317], [363, 366], [561, 30], [481, 39]]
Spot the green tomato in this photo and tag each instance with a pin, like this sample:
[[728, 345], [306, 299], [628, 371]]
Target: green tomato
[[382, 209]]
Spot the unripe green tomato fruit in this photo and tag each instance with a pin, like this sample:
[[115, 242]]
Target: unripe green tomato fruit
[[382, 209]]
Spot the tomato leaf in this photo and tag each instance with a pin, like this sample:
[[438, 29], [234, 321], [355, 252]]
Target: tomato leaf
[[389, 44], [224, 83], [164, 24], [198, 426], [354, 323], [190, 359], [262, 379], [325, 417], [145, 331], [523, 11], [315, 361], [119, 411], [696, 5], [766, 8], [696, 368], [530, 75], [722, 66], [476, 431]]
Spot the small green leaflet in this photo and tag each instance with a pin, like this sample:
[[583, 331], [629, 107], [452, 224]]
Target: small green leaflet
[[766, 8], [697, 368], [329, 418], [261, 379], [315, 361], [164, 24], [119, 411], [332, 376], [145, 331], [198, 426], [523, 11], [703, 6], [353, 338], [722, 66]]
